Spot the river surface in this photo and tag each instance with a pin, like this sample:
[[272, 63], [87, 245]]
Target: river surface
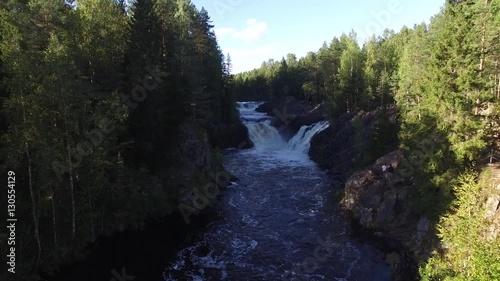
[[279, 221]]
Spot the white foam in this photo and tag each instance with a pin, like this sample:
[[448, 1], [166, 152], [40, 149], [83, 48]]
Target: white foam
[[270, 145]]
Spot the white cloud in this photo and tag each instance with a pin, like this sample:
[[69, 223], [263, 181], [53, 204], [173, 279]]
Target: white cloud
[[253, 31], [259, 51], [221, 32], [250, 58]]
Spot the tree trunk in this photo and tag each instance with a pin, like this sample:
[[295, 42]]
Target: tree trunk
[[54, 222], [482, 55], [33, 205], [89, 195], [498, 88], [419, 99], [497, 81], [32, 196], [72, 192], [483, 48], [70, 171]]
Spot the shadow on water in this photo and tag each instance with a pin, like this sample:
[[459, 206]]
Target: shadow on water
[[141, 255]]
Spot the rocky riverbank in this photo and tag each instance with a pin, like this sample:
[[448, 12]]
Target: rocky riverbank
[[375, 197]]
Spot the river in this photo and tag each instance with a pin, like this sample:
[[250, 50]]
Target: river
[[279, 221]]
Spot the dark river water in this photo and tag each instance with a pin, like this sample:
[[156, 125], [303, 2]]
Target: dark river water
[[280, 221]]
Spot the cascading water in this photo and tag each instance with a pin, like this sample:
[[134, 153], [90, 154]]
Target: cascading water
[[301, 142], [267, 139], [278, 221], [260, 131]]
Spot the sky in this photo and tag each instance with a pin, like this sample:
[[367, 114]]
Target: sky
[[253, 31]]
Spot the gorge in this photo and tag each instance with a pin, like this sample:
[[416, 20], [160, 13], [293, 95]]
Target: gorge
[[280, 220]]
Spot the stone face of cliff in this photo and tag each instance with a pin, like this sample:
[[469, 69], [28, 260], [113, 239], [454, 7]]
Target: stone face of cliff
[[335, 148], [195, 161], [231, 136], [380, 201], [492, 202], [343, 146], [194, 149]]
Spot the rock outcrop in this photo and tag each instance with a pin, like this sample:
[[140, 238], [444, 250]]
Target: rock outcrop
[[380, 201], [231, 136], [342, 147], [196, 160], [492, 202]]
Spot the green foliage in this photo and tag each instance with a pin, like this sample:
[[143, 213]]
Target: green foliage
[[469, 254], [92, 96], [384, 138], [441, 91]]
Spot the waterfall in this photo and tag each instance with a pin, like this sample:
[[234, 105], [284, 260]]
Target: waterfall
[[302, 140], [267, 139], [263, 135]]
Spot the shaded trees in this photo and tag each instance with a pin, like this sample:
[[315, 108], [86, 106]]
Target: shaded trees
[[92, 97]]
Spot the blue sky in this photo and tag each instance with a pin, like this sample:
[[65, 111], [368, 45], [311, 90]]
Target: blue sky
[[255, 31]]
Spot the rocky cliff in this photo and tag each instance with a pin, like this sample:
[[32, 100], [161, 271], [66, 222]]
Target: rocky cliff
[[197, 156], [379, 199], [231, 136], [491, 200], [342, 148], [376, 198]]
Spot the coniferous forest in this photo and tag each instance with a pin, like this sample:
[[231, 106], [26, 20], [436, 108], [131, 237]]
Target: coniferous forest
[[111, 113], [97, 101]]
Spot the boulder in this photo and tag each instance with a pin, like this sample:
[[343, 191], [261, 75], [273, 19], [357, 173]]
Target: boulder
[[231, 136]]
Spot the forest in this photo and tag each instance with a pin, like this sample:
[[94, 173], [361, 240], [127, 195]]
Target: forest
[[444, 77], [96, 100]]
